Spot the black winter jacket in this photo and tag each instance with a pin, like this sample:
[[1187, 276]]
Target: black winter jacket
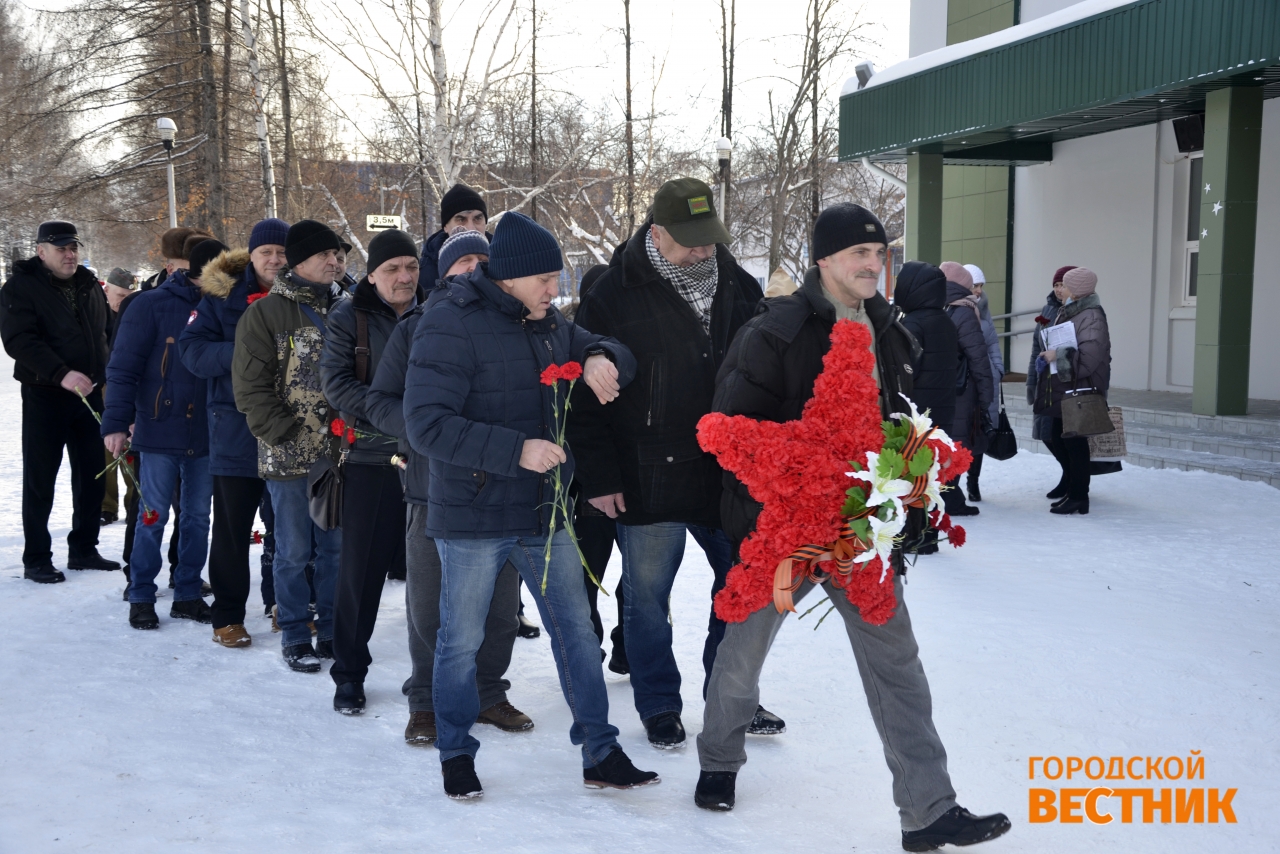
[[773, 362], [384, 402], [973, 401], [921, 292], [45, 337], [645, 443], [473, 396], [345, 390]]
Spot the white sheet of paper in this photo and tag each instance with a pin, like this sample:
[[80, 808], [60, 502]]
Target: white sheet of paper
[[1058, 337]]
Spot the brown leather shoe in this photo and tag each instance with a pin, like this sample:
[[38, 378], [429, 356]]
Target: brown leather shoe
[[233, 636], [421, 728], [505, 717], [275, 622]]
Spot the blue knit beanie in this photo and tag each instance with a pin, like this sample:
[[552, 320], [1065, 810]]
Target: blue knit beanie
[[522, 248], [268, 232], [462, 243]]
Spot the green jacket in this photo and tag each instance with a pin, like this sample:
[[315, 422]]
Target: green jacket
[[275, 374]]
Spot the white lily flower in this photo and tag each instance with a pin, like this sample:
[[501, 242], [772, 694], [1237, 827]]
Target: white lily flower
[[883, 490], [933, 489], [922, 423], [884, 535]]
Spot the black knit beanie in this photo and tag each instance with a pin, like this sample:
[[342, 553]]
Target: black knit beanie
[[844, 225], [521, 248], [460, 198], [392, 243], [308, 237], [203, 252]]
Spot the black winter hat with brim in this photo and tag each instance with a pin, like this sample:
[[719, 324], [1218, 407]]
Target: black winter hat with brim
[[203, 252], [844, 225], [392, 243], [308, 237]]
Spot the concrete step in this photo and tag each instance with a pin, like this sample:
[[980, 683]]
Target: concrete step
[[1157, 439]]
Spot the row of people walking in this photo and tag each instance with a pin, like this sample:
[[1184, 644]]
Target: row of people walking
[[447, 381]]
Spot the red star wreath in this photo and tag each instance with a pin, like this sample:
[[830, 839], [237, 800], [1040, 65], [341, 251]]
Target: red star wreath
[[802, 471]]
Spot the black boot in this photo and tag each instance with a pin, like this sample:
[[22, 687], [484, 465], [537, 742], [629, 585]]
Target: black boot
[[528, 628], [43, 574], [617, 772], [349, 698], [192, 609], [1070, 506], [460, 780], [715, 790], [324, 649], [91, 561], [665, 730], [1059, 491], [957, 826], [302, 658], [618, 659], [975, 494], [142, 615], [766, 723]]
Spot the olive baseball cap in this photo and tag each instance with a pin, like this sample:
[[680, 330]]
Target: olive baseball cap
[[686, 208]]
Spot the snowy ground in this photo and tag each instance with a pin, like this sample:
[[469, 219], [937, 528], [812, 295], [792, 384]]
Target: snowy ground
[[1146, 628]]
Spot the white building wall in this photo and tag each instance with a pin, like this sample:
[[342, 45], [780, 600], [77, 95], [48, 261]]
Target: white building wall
[[1117, 204], [928, 26], [1029, 10]]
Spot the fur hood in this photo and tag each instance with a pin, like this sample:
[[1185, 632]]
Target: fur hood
[[221, 274]]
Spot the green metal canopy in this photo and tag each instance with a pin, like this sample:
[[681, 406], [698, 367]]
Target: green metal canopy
[[1131, 65]]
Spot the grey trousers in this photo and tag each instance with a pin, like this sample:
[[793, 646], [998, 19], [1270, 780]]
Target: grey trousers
[[422, 610], [897, 694]]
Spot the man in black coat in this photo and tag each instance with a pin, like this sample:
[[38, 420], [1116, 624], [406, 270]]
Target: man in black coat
[[53, 320], [920, 291], [460, 207], [769, 375], [676, 297]]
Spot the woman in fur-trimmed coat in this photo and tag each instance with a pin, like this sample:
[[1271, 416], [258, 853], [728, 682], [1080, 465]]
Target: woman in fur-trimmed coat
[[230, 283]]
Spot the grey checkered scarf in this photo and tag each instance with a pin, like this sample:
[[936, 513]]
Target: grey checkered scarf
[[697, 284]]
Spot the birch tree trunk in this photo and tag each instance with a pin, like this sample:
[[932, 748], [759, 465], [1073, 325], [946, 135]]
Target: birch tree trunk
[[260, 113]]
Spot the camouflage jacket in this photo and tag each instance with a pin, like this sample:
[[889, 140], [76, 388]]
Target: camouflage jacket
[[275, 373]]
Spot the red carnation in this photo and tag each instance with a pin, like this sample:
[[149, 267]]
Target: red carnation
[[570, 371], [256, 538], [150, 517], [338, 426], [351, 436], [550, 374], [956, 536], [129, 458]]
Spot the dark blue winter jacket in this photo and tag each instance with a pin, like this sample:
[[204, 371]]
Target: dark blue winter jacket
[[473, 396], [206, 346], [148, 386]]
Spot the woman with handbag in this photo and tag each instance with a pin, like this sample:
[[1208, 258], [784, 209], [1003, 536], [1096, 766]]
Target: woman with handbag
[[1070, 373]]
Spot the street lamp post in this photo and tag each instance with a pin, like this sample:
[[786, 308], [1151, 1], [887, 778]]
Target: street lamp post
[[724, 151], [168, 130]]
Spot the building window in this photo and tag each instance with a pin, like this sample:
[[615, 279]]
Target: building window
[[1191, 259]]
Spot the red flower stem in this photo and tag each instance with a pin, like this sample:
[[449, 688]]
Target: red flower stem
[[128, 470]]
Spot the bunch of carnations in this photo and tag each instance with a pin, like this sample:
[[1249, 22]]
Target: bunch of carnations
[[552, 376], [149, 516], [343, 430]]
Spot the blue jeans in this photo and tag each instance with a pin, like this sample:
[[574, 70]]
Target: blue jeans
[[469, 569], [159, 474], [651, 555], [293, 531]]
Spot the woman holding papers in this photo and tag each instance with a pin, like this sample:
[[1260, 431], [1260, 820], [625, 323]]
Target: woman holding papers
[[1076, 356]]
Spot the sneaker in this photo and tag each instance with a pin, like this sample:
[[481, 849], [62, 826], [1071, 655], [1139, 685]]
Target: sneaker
[[460, 780], [349, 698], [92, 561], [505, 717], [142, 615], [665, 730], [421, 728], [44, 574], [766, 723], [957, 826], [715, 790], [1070, 506], [192, 609], [233, 636], [302, 658], [324, 649], [528, 629], [617, 772]]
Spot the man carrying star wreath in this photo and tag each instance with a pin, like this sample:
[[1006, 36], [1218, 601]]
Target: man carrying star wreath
[[768, 375]]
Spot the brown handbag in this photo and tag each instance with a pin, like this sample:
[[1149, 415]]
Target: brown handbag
[[1084, 413]]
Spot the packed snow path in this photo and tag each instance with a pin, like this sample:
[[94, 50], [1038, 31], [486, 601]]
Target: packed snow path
[[1148, 628]]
